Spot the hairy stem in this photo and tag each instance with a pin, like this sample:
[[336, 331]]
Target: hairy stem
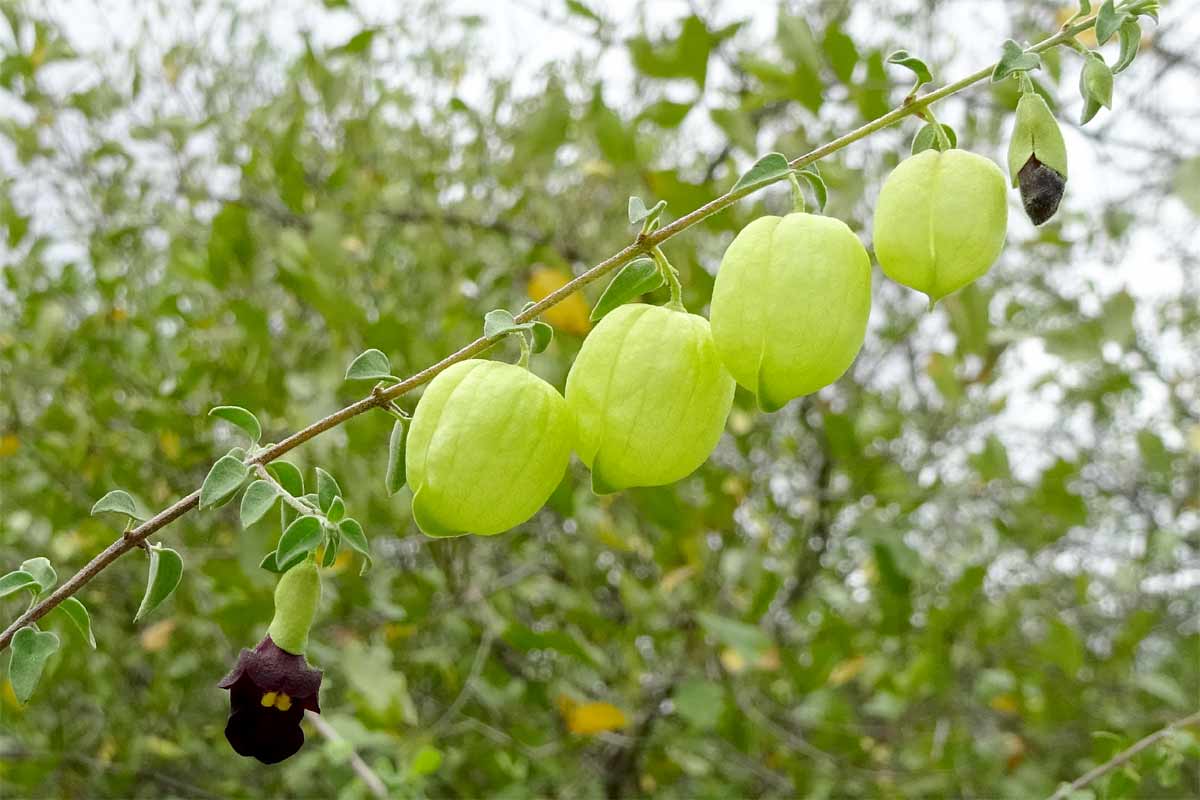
[[644, 245]]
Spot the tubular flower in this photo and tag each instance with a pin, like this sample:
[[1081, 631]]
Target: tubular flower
[[271, 686]]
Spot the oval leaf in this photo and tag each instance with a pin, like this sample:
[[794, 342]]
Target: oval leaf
[[396, 475], [289, 476], [369, 365], [543, 335], [353, 535], [327, 489], [258, 499], [77, 612], [268, 563], [332, 545], [927, 138], [17, 580], [635, 279], [639, 213], [1108, 21], [222, 481], [120, 502], [820, 191], [42, 572], [166, 568], [1013, 58], [918, 67], [768, 169], [337, 510], [300, 537], [1131, 39], [30, 649], [240, 417], [498, 322]]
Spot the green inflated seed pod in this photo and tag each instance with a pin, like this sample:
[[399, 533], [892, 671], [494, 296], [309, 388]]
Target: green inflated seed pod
[[790, 305], [487, 446], [940, 221], [297, 596], [650, 397]]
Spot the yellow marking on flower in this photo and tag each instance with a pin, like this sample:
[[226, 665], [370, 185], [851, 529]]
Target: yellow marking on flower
[[268, 699], [283, 702]]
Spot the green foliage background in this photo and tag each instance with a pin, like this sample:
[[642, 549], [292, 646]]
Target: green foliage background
[[968, 569]]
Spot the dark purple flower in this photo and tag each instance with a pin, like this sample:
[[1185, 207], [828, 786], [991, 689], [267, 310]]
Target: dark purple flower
[[269, 689]]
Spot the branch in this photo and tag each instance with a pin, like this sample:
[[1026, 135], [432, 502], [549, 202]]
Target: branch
[[644, 245], [368, 776], [1124, 756]]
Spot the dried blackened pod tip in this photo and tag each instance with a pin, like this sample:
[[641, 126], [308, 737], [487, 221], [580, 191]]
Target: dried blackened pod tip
[[1041, 190]]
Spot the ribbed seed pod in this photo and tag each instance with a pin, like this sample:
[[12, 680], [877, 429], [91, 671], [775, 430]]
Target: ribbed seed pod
[[488, 445], [940, 221], [790, 305], [650, 397]]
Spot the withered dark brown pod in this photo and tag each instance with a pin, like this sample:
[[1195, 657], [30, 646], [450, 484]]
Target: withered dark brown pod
[[1041, 190]]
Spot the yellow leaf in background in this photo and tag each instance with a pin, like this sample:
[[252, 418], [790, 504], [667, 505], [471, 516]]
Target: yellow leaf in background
[[10, 699], [847, 670], [9, 444], [569, 316], [588, 719], [157, 636], [1005, 704], [732, 661], [1194, 439], [598, 169], [675, 577], [169, 442]]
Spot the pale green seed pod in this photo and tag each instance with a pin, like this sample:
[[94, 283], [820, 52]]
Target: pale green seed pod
[[790, 305], [940, 221], [489, 443], [297, 596], [650, 397]]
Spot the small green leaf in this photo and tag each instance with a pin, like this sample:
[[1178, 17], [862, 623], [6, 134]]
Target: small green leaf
[[768, 169], [30, 649], [1131, 39], [327, 489], [911, 62], [425, 761], [17, 580], [119, 502], [543, 335], [820, 191], [498, 322], [77, 612], [257, 500], [268, 563], [635, 279], [333, 543], [337, 510], [1014, 59], [1095, 85], [639, 213], [1108, 21], [166, 568], [927, 138], [370, 365], [222, 481], [289, 476], [396, 474], [352, 532], [580, 9], [42, 572], [240, 417], [749, 641], [300, 537]]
